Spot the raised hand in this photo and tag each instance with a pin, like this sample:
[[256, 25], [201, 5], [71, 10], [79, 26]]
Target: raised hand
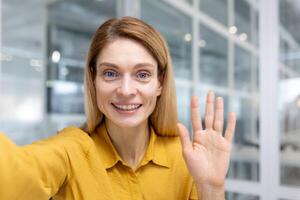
[[207, 156]]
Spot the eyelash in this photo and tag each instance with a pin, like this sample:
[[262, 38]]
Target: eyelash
[[143, 73], [111, 75], [115, 74]]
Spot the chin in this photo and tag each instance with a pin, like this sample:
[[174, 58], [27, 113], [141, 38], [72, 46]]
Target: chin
[[129, 123]]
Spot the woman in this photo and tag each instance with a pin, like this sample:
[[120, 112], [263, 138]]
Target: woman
[[128, 148]]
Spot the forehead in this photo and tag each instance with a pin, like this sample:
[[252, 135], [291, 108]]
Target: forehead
[[125, 52]]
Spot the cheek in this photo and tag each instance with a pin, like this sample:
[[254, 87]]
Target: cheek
[[150, 91], [102, 88], [103, 92]]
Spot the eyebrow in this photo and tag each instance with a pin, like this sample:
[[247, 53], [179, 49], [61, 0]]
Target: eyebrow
[[139, 65]]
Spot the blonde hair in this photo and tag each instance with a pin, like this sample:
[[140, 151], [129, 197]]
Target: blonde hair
[[164, 117]]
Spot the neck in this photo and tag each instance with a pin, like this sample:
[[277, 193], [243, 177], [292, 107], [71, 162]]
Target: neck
[[130, 143]]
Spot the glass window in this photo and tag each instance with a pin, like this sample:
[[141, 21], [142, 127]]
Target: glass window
[[29, 82], [177, 30], [183, 94], [213, 58], [72, 46], [255, 32], [19, 93], [243, 109], [243, 19], [289, 107], [65, 97], [69, 36], [22, 69], [287, 199], [289, 93], [237, 196], [245, 162], [187, 1], [217, 9], [242, 69]]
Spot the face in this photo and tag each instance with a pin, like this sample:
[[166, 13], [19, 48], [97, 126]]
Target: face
[[127, 84]]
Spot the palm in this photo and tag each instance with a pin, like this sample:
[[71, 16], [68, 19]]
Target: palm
[[210, 157], [207, 156]]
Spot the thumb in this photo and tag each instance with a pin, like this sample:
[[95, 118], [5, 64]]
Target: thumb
[[184, 137]]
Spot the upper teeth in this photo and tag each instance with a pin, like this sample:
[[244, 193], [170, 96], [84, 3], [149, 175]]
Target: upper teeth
[[127, 107]]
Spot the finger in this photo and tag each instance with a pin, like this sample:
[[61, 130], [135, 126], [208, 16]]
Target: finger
[[219, 115], [209, 111], [229, 133], [196, 118], [184, 137]]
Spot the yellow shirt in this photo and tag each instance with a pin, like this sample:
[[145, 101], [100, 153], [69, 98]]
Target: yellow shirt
[[73, 165]]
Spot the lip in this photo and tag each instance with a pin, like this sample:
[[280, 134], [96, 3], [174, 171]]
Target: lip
[[126, 112]]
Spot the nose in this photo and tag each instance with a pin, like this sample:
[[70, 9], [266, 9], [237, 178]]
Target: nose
[[127, 87]]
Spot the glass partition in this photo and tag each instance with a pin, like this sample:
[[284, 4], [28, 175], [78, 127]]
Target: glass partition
[[44, 46], [238, 196], [179, 37], [213, 69], [289, 93], [217, 9]]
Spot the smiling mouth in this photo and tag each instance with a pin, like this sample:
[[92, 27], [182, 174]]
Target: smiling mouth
[[129, 107]]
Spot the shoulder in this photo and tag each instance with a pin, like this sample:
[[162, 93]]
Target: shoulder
[[73, 131], [70, 138], [172, 148], [77, 136]]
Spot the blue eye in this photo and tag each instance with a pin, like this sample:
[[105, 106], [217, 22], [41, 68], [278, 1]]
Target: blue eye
[[143, 75], [110, 74]]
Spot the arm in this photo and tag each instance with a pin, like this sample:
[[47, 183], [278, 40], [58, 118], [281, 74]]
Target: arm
[[207, 156], [34, 171], [209, 192]]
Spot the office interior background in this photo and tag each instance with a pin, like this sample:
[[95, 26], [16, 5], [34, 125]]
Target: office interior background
[[247, 51]]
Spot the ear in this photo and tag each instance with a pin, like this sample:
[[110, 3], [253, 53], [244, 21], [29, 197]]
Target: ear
[[160, 82], [159, 89]]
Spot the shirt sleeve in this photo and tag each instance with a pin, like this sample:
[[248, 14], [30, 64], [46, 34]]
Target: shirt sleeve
[[34, 171], [194, 193]]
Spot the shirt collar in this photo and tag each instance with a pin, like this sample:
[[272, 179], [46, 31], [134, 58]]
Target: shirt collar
[[155, 153]]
